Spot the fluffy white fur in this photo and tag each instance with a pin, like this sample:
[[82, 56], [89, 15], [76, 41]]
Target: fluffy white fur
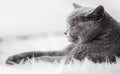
[[73, 68]]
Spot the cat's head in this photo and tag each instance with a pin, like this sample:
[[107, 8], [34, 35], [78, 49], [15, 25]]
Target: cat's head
[[82, 21]]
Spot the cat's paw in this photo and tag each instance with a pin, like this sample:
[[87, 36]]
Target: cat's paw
[[16, 59]]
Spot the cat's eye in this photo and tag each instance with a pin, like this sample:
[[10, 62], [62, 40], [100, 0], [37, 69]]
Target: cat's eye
[[84, 18]]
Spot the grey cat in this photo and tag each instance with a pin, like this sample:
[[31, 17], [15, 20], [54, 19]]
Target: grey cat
[[93, 34]]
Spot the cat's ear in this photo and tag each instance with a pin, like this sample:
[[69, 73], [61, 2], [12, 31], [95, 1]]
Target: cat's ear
[[97, 13], [76, 5]]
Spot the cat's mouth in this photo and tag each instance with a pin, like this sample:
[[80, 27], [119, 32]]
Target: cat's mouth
[[73, 39]]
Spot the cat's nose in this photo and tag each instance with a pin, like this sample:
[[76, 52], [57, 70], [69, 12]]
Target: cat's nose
[[65, 33]]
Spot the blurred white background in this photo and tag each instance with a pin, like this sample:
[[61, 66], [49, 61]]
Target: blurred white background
[[24, 17]]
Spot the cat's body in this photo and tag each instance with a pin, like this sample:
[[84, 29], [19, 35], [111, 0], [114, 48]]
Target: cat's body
[[93, 34]]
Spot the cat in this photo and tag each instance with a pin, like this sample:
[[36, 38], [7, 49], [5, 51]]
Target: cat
[[93, 34]]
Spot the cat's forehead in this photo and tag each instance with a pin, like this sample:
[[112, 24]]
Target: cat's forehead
[[83, 11]]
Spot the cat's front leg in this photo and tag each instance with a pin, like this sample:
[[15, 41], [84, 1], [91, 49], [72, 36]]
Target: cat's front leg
[[22, 57], [16, 59]]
